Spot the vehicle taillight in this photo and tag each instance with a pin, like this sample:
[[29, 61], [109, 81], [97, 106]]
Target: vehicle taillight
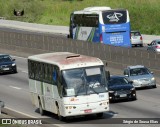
[[157, 47], [141, 38], [101, 39]]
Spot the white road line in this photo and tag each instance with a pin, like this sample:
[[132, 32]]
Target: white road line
[[21, 113], [25, 72], [15, 87]]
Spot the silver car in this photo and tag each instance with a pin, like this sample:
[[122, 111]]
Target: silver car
[[154, 46], [140, 76], [136, 38]]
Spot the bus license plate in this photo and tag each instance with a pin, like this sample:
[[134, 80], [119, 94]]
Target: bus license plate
[[88, 110]]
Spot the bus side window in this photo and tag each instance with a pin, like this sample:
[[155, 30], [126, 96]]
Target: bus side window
[[54, 76]]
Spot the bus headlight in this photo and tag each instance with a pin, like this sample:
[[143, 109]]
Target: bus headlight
[[153, 79], [70, 107]]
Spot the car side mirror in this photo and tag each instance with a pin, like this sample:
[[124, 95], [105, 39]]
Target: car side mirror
[[68, 36], [149, 44], [13, 59]]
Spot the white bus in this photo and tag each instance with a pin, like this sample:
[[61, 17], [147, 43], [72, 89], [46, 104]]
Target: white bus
[[68, 84]]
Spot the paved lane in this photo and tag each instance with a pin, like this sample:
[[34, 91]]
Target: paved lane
[[14, 91]]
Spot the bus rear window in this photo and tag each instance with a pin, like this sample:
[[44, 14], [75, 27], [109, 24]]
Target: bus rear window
[[114, 16]]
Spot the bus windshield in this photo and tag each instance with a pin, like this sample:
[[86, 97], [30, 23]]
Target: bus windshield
[[114, 16], [84, 81]]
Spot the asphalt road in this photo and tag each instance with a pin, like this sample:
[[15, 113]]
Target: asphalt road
[[14, 91]]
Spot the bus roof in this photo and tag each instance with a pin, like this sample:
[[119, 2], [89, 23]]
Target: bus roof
[[96, 8], [67, 60], [90, 10]]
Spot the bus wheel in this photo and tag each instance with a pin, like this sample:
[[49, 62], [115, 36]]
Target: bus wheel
[[41, 111], [99, 115], [61, 118]]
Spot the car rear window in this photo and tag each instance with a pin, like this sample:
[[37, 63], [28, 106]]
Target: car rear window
[[135, 34]]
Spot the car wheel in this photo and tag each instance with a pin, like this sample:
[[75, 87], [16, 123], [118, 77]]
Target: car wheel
[[134, 98], [15, 71], [154, 86]]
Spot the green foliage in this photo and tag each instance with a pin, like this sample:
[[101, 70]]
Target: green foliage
[[144, 14]]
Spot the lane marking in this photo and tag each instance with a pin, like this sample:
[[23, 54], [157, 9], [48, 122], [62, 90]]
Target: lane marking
[[25, 72], [15, 87], [21, 112], [30, 116]]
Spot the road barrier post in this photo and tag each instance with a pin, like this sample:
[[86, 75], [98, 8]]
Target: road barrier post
[[1, 106]]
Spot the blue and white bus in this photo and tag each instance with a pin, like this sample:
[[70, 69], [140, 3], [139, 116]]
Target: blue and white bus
[[101, 24]]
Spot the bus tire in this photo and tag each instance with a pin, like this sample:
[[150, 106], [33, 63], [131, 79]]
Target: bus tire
[[100, 115], [41, 111], [61, 118]]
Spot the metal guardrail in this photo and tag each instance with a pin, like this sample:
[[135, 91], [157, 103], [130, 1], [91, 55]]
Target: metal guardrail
[[117, 57], [2, 18]]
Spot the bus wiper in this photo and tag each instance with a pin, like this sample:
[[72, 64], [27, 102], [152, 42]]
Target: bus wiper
[[94, 90], [92, 86]]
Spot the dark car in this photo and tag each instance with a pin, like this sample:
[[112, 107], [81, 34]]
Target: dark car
[[120, 88], [7, 64]]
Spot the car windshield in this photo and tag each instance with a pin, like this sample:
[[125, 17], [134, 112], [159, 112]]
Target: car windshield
[[135, 34], [117, 81], [84, 81], [139, 71], [5, 59]]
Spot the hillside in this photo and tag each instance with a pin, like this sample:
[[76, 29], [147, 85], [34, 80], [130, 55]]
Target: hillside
[[144, 14]]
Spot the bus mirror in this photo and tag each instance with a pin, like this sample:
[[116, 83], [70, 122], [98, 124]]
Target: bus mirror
[[108, 75], [106, 64]]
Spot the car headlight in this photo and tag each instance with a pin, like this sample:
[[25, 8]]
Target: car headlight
[[111, 91], [133, 88], [13, 64], [152, 78], [135, 81]]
